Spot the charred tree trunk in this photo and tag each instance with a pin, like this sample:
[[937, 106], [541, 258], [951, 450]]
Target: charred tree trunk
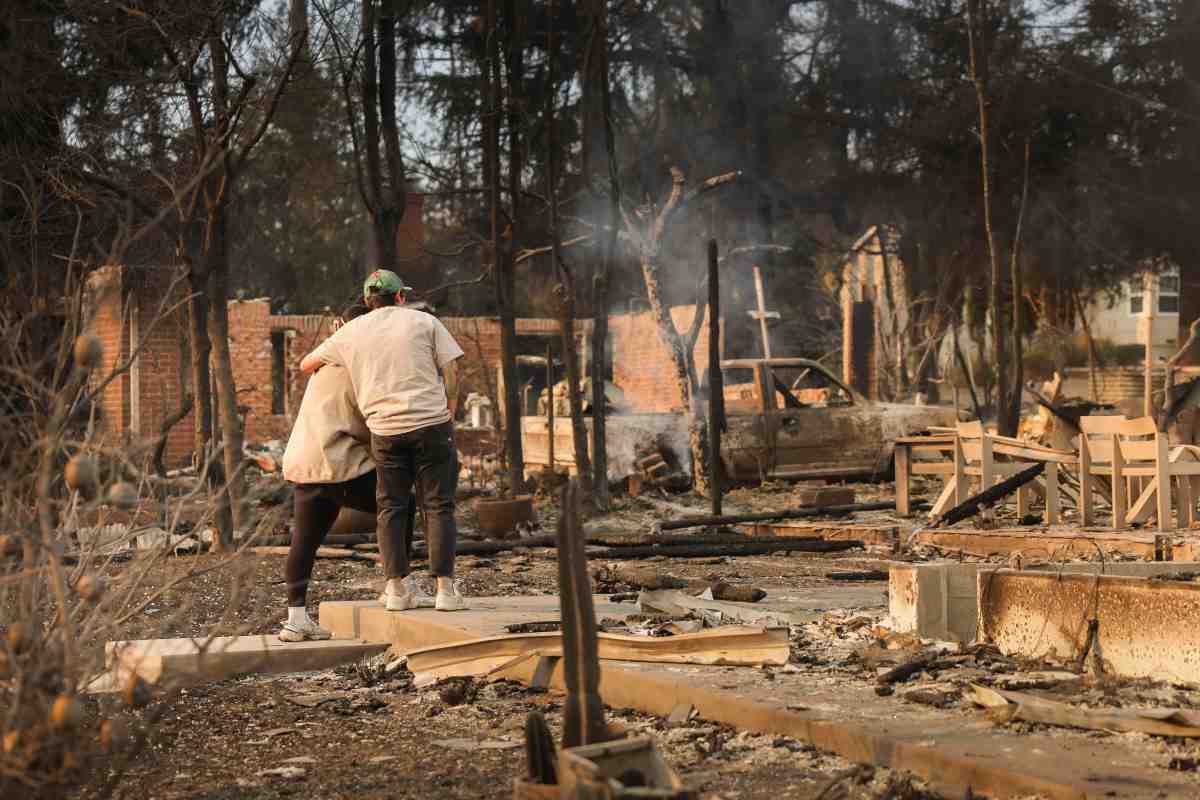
[[599, 152], [647, 237], [566, 280], [977, 27], [217, 260], [684, 362], [383, 195], [505, 278], [200, 348]]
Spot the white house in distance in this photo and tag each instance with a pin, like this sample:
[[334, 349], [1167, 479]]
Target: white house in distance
[[1151, 299]]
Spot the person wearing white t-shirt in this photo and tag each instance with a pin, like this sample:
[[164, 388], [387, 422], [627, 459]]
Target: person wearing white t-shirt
[[402, 366]]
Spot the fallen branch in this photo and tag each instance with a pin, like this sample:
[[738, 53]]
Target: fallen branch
[[988, 497], [322, 552], [727, 549], [906, 670]]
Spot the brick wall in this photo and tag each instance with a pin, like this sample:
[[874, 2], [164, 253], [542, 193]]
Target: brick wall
[[132, 306], [161, 372], [642, 365], [106, 300]]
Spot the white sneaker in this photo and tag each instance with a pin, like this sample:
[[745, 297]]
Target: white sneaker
[[398, 602], [414, 587], [451, 600], [414, 596], [303, 631]]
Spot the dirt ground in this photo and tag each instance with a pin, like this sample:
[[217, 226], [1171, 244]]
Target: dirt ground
[[363, 731], [377, 736]]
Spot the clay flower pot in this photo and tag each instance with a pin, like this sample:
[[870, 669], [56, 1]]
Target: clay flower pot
[[498, 518]]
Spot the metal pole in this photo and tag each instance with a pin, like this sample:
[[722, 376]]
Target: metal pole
[[716, 382], [550, 407]]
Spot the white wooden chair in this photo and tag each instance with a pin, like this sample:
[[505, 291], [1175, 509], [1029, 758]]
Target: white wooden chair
[[975, 458], [1145, 472]]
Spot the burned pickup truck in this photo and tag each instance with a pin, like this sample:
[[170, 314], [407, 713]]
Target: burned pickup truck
[[790, 418]]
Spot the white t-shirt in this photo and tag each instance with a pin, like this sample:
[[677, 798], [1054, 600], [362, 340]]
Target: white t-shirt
[[329, 442], [394, 356]]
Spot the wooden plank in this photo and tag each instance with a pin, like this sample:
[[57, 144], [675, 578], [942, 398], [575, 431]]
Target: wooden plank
[[945, 499], [1055, 544], [1102, 424], [186, 661], [726, 646], [1031, 708], [1143, 507], [1053, 508]]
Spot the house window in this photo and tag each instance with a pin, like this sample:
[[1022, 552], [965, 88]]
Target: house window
[[1168, 292]]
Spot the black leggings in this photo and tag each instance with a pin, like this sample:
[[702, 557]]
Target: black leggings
[[315, 508]]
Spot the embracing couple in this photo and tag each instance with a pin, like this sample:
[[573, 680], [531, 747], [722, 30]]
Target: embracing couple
[[375, 424]]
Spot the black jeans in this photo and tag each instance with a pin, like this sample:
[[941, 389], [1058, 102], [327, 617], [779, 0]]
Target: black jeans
[[424, 459], [315, 509]]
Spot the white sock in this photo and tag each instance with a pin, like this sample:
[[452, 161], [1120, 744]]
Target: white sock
[[445, 585], [297, 615], [396, 586]]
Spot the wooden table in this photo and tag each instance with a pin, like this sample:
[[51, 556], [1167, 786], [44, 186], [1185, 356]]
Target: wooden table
[[940, 459]]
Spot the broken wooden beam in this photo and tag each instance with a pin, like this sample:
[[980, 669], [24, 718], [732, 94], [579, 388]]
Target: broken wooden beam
[[793, 513], [988, 497], [728, 646], [1006, 706], [186, 661]]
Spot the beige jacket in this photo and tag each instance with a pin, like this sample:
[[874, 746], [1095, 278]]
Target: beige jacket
[[395, 356], [330, 442]]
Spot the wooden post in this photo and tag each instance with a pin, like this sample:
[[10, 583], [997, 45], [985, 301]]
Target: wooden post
[[1120, 500], [1052, 501], [903, 503], [550, 407], [1162, 475], [1085, 481], [960, 472], [761, 314], [716, 382], [1149, 299]]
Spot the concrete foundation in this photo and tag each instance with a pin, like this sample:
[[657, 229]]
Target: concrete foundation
[[952, 752], [1146, 628], [940, 600]]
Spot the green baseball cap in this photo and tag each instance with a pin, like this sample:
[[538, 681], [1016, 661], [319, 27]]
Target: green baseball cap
[[384, 281]]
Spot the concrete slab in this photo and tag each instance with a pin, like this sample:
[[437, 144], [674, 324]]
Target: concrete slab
[[488, 616], [1060, 544], [424, 627], [940, 600], [1147, 629], [197, 660], [951, 752]]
